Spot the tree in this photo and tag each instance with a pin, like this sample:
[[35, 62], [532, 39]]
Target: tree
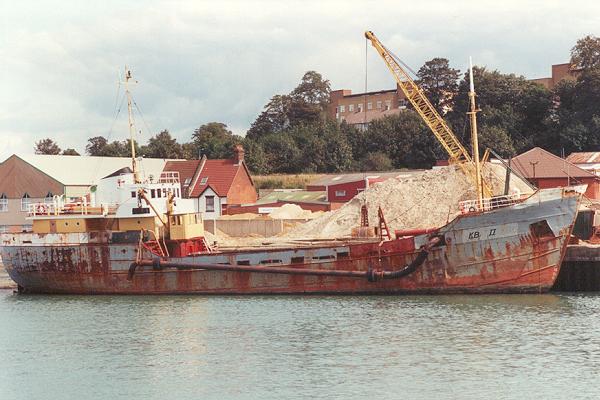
[[323, 147], [439, 82], [310, 98], [99, 146], [574, 122], [214, 140], [116, 149], [586, 53], [70, 152], [376, 161], [273, 118], [510, 105], [283, 154], [96, 145], [404, 138], [46, 146], [256, 157], [305, 104], [163, 146]]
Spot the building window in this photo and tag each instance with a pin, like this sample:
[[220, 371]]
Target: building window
[[402, 103], [340, 193], [388, 104], [25, 202], [204, 180], [210, 203], [187, 182], [379, 104], [133, 194], [3, 203], [369, 106], [49, 198], [351, 108], [360, 107], [342, 109]]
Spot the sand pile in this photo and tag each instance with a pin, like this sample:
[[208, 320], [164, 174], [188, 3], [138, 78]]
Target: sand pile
[[423, 200], [293, 211]]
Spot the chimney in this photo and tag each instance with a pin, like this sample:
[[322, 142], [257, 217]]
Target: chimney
[[238, 150]]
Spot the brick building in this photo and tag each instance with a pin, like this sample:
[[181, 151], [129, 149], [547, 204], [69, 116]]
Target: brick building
[[361, 108], [342, 188], [559, 72], [216, 184]]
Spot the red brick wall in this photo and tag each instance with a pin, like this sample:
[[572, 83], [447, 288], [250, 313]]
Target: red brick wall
[[593, 189], [351, 189], [242, 190], [344, 97]]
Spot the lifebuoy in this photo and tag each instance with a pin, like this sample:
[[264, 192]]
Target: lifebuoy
[[472, 209], [41, 209]]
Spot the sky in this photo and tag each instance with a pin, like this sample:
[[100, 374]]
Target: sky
[[201, 61]]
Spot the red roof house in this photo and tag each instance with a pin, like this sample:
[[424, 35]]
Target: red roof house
[[216, 184], [186, 170]]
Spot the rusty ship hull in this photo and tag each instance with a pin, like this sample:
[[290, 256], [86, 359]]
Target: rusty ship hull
[[515, 249]]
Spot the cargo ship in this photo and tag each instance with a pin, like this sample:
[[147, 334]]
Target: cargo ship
[[511, 245], [132, 235]]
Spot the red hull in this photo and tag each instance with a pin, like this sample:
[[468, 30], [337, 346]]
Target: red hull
[[505, 250]]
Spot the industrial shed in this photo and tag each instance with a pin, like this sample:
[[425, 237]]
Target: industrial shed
[[546, 170]]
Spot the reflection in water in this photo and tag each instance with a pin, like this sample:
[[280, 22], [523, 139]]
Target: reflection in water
[[504, 346]]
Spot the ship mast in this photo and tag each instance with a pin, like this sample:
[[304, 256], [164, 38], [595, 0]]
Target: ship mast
[[474, 139], [136, 175]]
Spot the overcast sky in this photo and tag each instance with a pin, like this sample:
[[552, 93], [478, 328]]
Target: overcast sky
[[202, 61]]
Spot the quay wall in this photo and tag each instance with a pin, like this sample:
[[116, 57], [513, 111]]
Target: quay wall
[[580, 271]]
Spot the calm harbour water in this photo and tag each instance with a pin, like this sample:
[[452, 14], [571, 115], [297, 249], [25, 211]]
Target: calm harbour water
[[290, 347]]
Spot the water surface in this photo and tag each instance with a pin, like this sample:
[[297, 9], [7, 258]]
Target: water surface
[[292, 347]]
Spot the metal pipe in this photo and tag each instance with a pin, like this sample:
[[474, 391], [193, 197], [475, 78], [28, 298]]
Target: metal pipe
[[371, 275], [157, 263]]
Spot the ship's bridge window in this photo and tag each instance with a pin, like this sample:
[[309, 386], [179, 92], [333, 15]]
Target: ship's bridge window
[[133, 194], [49, 197], [158, 193], [3, 203], [25, 202], [153, 193]]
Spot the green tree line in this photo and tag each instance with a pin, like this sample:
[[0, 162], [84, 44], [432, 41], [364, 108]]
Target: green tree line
[[294, 133]]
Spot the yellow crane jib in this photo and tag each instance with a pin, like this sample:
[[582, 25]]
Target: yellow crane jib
[[414, 94]]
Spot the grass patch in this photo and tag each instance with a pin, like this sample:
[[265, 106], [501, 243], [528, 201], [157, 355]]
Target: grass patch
[[284, 181]]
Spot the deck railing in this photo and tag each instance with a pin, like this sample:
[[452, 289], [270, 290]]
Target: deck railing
[[487, 204], [56, 208]]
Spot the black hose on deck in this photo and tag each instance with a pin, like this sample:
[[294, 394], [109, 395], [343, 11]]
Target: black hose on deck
[[378, 275], [372, 275]]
